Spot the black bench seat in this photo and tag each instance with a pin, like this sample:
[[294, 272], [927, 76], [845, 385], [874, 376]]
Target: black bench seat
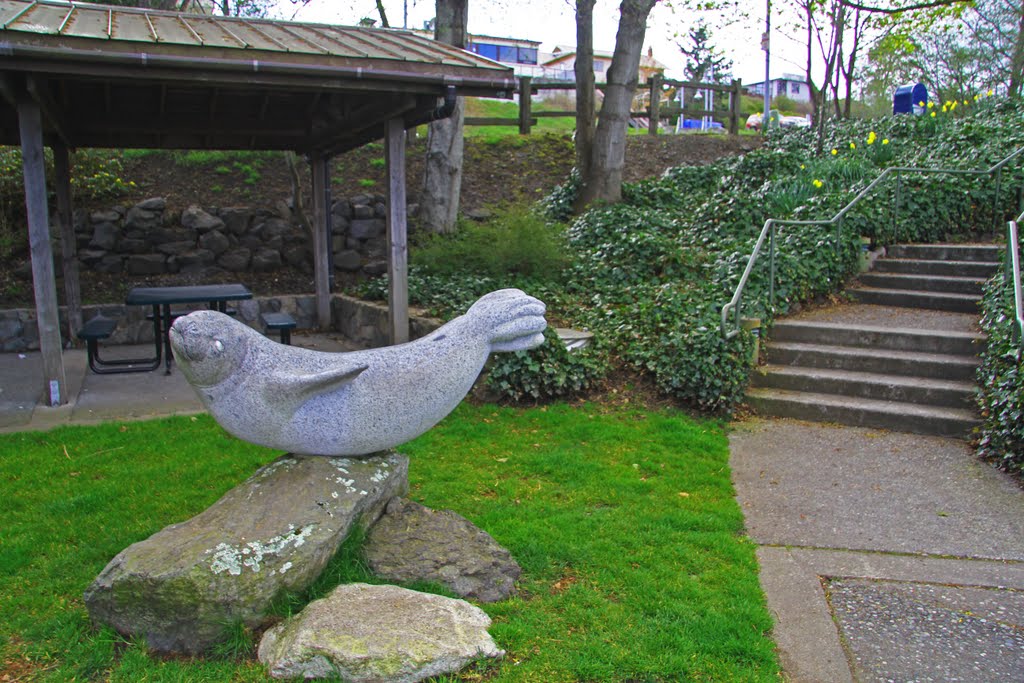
[[101, 327], [279, 321]]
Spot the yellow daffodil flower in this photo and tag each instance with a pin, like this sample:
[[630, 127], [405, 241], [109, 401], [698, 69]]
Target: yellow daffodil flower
[[853, 145], [931, 105], [933, 113], [835, 151], [818, 183], [885, 141], [990, 93]]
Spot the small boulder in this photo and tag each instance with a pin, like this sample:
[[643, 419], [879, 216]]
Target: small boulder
[[266, 259], [196, 219], [153, 204], [348, 261], [142, 219], [215, 241], [235, 260], [363, 634], [413, 543], [104, 236], [236, 219], [366, 228], [273, 533]]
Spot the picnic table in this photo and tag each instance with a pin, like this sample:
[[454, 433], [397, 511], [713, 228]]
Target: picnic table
[[162, 298]]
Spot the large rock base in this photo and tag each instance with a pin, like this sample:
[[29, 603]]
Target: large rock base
[[378, 634], [272, 534]]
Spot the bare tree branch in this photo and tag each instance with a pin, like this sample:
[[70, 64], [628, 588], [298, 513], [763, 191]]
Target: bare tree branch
[[906, 8]]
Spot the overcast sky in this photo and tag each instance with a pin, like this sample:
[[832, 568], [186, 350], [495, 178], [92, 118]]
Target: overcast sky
[[552, 22]]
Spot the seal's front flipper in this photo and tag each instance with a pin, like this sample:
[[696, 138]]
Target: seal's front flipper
[[298, 387]]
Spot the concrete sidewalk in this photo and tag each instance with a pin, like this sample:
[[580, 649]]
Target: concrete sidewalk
[[884, 556]]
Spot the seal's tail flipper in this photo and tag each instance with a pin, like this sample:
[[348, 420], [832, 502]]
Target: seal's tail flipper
[[510, 320]]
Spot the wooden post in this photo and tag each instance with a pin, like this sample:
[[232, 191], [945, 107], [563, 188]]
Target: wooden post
[[321, 241], [30, 125], [654, 111], [525, 104], [734, 107], [68, 244], [398, 253]]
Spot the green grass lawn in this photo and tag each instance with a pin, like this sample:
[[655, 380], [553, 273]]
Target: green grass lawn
[[635, 566]]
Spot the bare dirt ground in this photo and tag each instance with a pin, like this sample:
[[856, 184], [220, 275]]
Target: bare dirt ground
[[513, 170]]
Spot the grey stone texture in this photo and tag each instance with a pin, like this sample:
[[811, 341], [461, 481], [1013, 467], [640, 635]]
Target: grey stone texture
[[274, 240], [351, 404], [414, 543], [273, 533], [195, 218], [375, 634]]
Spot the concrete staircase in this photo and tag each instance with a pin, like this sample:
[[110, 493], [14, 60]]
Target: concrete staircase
[[903, 358]]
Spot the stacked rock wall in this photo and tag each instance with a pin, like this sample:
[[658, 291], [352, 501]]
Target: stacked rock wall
[[151, 239]]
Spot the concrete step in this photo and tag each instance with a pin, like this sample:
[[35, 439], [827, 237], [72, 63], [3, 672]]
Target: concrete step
[[981, 269], [992, 253], [940, 301], [899, 339], [924, 283], [878, 387], [878, 361], [862, 412]]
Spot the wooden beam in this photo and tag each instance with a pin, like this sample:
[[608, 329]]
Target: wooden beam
[[68, 245], [398, 251], [30, 125], [321, 242]]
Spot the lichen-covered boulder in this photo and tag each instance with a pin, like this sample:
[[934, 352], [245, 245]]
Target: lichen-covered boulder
[[274, 533], [377, 634], [414, 543]]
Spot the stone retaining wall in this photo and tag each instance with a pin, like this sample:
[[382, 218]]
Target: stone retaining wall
[[150, 239], [363, 323]]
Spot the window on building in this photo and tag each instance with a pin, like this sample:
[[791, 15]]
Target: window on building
[[794, 88], [598, 67], [527, 55], [780, 88], [486, 50], [508, 53]]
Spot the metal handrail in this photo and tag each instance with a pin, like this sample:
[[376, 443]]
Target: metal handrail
[[733, 307], [1013, 273]]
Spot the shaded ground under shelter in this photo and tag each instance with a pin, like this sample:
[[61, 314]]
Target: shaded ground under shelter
[[83, 75]]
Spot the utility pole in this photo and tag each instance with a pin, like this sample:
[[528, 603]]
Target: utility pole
[[766, 46]]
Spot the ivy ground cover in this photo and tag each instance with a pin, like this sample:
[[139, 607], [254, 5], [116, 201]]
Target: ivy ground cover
[[635, 566]]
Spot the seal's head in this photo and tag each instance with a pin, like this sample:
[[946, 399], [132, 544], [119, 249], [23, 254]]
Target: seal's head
[[208, 346]]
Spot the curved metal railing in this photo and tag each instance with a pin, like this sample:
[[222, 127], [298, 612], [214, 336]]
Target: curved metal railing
[[733, 308], [1013, 275]]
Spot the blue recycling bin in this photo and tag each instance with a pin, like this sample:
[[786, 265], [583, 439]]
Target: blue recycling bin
[[911, 98]]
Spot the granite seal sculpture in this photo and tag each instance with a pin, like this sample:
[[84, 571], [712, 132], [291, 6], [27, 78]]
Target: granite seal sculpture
[[352, 404]]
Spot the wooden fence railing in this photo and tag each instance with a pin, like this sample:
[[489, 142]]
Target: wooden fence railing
[[658, 107]]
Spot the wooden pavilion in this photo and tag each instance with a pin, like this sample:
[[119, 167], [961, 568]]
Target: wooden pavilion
[[82, 75]]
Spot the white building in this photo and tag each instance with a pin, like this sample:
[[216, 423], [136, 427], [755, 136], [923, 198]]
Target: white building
[[790, 85]]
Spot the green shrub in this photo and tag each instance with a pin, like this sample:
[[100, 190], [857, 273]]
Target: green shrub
[[548, 372], [516, 242], [1001, 381]]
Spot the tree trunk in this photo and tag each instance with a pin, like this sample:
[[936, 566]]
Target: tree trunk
[[1017, 62], [585, 93], [442, 181], [602, 176]]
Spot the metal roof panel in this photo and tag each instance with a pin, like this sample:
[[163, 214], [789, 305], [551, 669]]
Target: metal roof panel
[[134, 25]]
